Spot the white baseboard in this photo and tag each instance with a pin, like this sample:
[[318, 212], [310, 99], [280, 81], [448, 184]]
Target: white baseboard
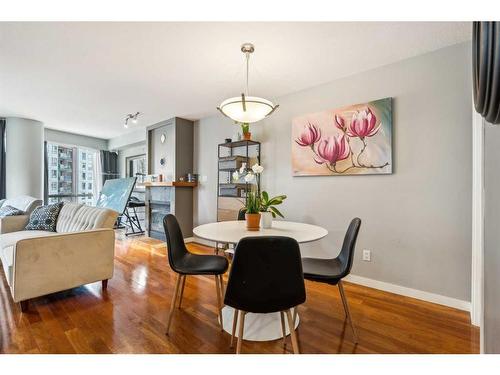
[[387, 287], [409, 292]]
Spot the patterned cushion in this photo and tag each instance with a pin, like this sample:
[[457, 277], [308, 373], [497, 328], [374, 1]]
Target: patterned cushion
[[44, 217], [10, 211]]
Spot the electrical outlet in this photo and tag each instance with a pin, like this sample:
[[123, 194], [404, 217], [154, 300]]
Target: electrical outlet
[[367, 255]]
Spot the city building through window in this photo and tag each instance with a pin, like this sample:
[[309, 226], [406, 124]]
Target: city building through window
[[71, 171]]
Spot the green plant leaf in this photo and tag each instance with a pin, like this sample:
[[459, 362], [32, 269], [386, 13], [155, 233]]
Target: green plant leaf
[[276, 211]]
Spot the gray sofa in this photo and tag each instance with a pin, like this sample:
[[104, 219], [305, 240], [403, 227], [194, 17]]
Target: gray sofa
[[81, 251]]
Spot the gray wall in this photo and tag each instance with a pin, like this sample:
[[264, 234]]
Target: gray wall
[[72, 139], [491, 239], [24, 157], [134, 137], [417, 222]]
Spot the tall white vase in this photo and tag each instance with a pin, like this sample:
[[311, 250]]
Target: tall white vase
[[266, 220]]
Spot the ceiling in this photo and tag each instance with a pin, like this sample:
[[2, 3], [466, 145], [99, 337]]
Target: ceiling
[[85, 77]]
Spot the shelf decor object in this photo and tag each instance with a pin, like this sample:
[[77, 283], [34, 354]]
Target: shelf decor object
[[234, 157], [246, 108]]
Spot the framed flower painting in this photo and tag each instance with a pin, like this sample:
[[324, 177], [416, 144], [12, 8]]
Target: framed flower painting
[[353, 140]]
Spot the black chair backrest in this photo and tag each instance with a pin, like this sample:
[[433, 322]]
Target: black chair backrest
[[241, 213], [176, 249], [346, 255], [266, 275]]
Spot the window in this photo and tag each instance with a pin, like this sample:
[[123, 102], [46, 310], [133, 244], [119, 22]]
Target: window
[[71, 167]]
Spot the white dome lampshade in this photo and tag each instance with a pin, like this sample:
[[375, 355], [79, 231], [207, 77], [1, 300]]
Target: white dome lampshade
[[247, 108]]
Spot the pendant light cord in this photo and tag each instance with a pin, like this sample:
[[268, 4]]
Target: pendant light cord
[[247, 54]]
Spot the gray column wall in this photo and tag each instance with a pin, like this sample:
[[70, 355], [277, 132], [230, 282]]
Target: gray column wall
[[24, 157]]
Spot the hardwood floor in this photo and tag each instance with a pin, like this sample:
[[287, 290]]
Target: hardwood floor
[[131, 316]]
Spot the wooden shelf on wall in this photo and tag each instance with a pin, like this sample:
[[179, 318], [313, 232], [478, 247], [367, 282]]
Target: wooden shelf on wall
[[169, 183]]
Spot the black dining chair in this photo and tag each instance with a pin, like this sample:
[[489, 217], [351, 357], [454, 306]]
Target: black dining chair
[[332, 271], [186, 264], [241, 213], [266, 277]]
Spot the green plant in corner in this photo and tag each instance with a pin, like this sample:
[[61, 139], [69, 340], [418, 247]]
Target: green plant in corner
[[268, 204]]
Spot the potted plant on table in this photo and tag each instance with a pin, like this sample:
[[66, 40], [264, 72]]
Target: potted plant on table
[[252, 215], [268, 211]]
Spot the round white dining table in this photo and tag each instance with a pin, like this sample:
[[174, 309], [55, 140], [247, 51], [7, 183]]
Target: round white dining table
[[258, 327]]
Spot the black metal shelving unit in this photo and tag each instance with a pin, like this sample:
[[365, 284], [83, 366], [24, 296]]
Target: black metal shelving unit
[[250, 152]]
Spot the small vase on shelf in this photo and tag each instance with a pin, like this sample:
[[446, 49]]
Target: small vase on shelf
[[247, 136]]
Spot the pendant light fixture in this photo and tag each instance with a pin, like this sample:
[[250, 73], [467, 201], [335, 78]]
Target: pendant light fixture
[[246, 108]]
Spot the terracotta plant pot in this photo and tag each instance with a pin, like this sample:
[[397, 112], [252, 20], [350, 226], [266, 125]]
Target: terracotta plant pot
[[247, 136], [253, 221]]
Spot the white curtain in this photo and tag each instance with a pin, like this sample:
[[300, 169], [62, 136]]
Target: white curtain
[[97, 175]]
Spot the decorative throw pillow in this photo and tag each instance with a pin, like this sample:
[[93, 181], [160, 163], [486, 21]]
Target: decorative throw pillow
[[44, 217], [10, 211]]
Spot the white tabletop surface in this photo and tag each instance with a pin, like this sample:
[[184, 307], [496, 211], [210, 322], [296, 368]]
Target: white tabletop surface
[[233, 231]]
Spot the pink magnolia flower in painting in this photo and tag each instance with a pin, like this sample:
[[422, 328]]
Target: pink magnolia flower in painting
[[363, 124], [310, 135], [340, 123], [332, 150]]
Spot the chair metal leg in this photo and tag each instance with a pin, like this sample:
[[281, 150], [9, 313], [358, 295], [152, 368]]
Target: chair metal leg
[[283, 327], [182, 289], [295, 311], [346, 309], [235, 323], [219, 302], [172, 304], [241, 331], [295, 343]]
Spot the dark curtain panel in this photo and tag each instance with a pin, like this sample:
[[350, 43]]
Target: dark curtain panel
[[486, 69], [2, 159], [109, 165], [45, 174]]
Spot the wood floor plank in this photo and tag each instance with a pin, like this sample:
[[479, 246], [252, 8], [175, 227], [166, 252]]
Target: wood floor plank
[[131, 316]]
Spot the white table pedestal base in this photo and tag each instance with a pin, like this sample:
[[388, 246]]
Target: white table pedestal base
[[258, 327]]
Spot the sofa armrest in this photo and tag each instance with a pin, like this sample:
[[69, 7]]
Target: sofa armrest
[[45, 265], [13, 223]]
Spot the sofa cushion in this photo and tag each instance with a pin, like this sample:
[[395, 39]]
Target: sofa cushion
[[44, 217], [8, 243], [11, 239], [23, 202], [10, 211], [79, 217]]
